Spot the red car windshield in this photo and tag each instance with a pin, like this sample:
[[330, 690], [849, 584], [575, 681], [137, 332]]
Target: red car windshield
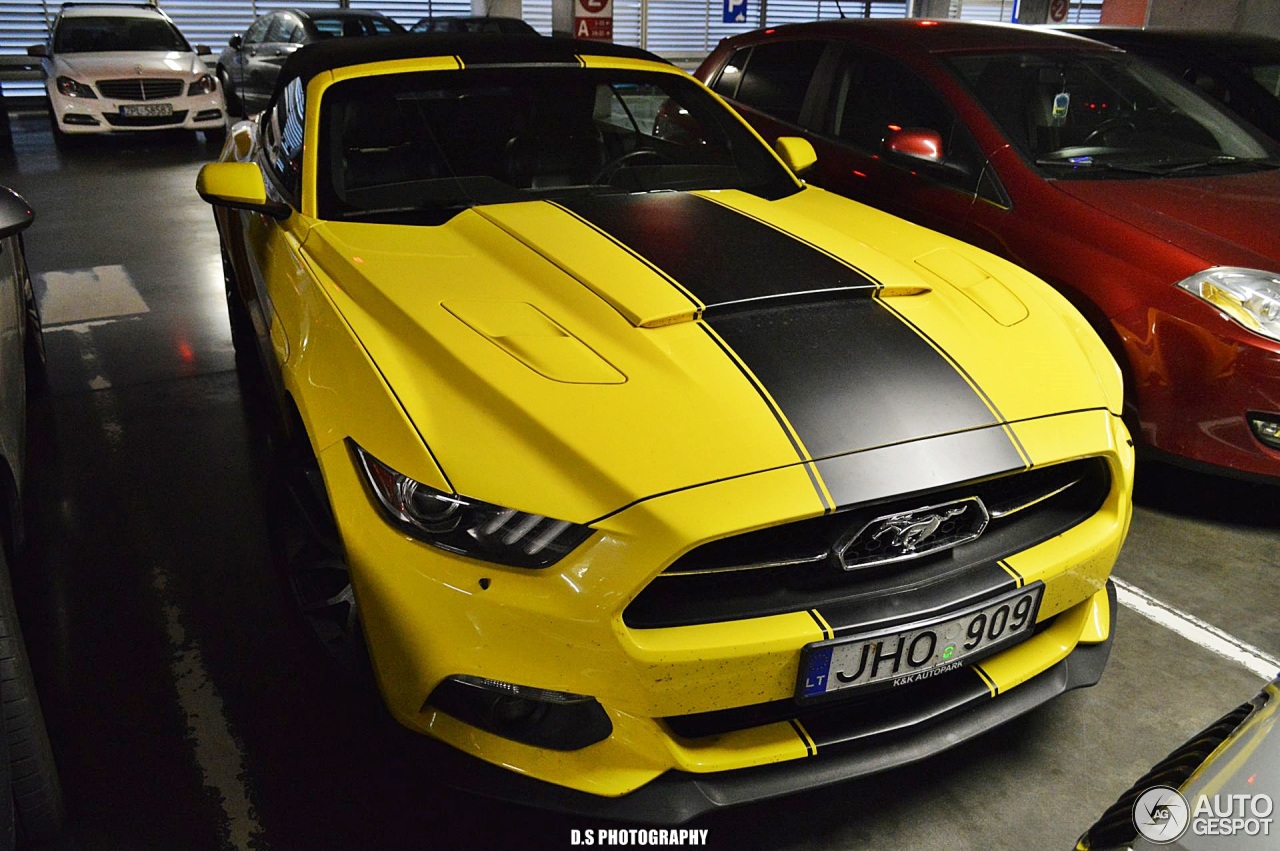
[[1078, 114]]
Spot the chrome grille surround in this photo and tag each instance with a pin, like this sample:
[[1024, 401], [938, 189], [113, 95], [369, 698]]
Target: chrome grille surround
[[141, 88]]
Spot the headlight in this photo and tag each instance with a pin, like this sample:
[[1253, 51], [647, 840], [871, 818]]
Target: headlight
[[1249, 296], [202, 86], [73, 89], [468, 526]]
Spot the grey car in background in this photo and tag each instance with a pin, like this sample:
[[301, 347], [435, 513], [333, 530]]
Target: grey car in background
[[249, 64]]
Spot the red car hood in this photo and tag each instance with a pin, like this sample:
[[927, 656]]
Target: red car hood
[[1226, 220]]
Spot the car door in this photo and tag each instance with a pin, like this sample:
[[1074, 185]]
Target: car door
[[772, 84], [869, 97], [264, 60], [238, 61]]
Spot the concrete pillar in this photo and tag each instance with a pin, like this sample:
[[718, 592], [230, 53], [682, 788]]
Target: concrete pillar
[[562, 17], [1033, 12], [930, 8], [496, 8]]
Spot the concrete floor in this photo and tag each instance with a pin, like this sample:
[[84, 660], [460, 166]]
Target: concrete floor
[[190, 710]]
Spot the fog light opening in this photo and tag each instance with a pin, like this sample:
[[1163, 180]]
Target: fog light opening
[[1266, 427], [76, 118], [548, 719]]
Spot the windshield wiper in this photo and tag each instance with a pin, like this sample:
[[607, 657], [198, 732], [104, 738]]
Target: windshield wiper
[[1108, 165], [1220, 160]]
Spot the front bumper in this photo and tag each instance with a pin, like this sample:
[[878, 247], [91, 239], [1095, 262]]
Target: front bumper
[[678, 796], [1196, 381], [90, 116], [429, 615]]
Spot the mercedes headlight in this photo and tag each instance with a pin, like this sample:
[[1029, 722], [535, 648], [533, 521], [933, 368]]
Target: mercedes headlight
[[73, 89], [468, 526], [1249, 296], [202, 86]]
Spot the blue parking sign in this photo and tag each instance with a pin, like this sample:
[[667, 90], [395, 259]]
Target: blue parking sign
[[735, 11]]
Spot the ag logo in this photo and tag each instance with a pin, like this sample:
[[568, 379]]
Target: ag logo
[[1161, 814], [909, 534]]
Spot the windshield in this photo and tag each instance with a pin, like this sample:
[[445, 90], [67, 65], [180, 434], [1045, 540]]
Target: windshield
[[114, 33], [1082, 114], [418, 148]]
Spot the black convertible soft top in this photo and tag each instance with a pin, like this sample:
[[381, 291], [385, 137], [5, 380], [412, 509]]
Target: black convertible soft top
[[471, 48]]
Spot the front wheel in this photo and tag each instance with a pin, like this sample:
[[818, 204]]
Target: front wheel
[[234, 107]]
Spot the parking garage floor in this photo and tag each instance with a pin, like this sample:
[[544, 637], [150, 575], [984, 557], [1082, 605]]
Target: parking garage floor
[[189, 708]]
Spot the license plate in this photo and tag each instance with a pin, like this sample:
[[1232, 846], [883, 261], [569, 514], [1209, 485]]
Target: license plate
[[918, 651], [146, 110]]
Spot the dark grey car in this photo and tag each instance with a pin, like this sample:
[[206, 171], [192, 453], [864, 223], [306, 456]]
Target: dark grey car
[[1214, 793], [249, 64], [31, 808]]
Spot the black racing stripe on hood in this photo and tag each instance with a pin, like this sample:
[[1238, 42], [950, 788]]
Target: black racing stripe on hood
[[849, 375], [921, 465], [719, 255]]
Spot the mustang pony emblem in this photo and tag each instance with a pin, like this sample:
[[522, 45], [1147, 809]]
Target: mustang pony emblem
[[910, 534]]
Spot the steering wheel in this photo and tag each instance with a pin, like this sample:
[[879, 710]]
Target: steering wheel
[[627, 160], [1110, 125]]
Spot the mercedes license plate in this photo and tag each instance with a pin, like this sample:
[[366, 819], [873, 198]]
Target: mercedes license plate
[[146, 110], [918, 651]]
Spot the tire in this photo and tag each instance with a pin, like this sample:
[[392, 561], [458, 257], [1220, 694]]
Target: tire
[[234, 107], [35, 791]]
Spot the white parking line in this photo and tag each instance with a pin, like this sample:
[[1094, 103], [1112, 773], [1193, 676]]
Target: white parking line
[[82, 295], [1197, 631]]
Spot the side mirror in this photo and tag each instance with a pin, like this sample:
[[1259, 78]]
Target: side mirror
[[41, 50], [239, 186], [203, 50], [234, 42], [796, 153], [914, 143], [15, 213]]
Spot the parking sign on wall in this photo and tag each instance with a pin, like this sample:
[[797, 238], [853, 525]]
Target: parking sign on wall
[[735, 11], [593, 19]]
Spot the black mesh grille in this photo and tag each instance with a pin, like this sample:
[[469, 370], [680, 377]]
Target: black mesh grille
[[143, 88], [1115, 828], [723, 580]]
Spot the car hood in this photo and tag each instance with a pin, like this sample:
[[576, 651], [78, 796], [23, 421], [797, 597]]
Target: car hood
[[129, 63], [1215, 218], [628, 346]]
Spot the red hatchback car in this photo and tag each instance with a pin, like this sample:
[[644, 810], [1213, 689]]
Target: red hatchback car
[[1146, 204]]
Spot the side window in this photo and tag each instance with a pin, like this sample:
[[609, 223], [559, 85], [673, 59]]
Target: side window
[[279, 30], [777, 76], [380, 27], [727, 83], [257, 30], [282, 139], [297, 35], [873, 95]]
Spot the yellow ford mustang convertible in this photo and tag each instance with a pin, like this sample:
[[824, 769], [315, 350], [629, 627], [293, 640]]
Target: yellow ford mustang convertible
[[656, 480]]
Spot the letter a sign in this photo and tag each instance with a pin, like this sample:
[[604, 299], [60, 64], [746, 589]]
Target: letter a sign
[[593, 19]]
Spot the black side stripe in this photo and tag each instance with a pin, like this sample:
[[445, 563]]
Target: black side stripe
[[809, 747]]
